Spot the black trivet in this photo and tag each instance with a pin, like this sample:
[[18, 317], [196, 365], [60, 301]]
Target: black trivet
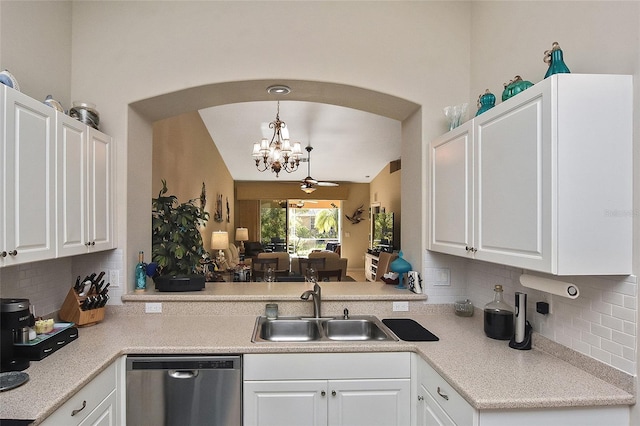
[[410, 331]]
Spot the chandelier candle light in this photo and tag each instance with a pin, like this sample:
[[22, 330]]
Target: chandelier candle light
[[278, 154]]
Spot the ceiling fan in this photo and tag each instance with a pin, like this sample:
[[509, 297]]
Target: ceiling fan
[[309, 184]]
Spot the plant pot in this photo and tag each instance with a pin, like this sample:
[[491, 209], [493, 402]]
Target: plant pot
[[192, 282]]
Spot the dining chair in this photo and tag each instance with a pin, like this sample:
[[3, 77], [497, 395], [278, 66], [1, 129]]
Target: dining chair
[[260, 266], [327, 274], [315, 263]]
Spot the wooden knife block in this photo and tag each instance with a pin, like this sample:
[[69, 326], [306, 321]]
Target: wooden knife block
[[71, 311]]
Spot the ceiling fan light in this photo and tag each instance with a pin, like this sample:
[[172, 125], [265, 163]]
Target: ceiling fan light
[[308, 189]]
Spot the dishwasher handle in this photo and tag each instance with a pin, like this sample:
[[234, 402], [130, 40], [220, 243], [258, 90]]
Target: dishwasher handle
[[183, 374]]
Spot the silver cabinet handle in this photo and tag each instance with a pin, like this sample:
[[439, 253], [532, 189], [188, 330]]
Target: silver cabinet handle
[[323, 393], [444, 395], [74, 412], [3, 253], [13, 253], [333, 393]]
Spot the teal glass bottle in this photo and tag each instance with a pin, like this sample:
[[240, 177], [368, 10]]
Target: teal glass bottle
[[555, 59], [141, 273]]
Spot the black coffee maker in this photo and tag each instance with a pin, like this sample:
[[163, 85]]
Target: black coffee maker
[[15, 319]]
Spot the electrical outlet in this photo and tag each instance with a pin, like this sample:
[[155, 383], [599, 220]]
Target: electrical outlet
[[400, 306], [153, 308], [114, 278], [442, 277]]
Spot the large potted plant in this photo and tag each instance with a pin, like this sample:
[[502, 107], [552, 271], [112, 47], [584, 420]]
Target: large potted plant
[[177, 243]]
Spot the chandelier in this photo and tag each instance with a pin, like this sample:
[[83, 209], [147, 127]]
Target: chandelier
[[278, 154]]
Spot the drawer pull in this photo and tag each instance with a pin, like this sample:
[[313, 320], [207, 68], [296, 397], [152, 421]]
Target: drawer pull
[[74, 412], [47, 350], [333, 393], [444, 395], [13, 253], [323, 393], [3, 254]]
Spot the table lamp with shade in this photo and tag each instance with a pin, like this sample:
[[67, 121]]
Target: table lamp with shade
[[220, 242], [242, 235]]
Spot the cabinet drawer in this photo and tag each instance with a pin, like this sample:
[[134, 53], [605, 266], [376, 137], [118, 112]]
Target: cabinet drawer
[[446, 397], [80, 405], [379, 365]]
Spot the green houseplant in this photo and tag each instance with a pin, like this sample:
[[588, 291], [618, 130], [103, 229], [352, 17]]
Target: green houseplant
[[177, 246]]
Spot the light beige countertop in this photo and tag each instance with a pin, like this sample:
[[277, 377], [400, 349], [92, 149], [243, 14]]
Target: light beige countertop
[[486, 372], [262, 291]]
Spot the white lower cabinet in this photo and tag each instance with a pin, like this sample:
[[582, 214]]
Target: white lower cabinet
[[438, 404], [327, 389], [96, 404]]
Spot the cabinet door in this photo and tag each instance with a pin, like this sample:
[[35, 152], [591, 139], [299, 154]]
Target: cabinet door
[[3, 160], [512, 184], [429, 412], [72, 186], [285, 403], [29, 180], [100, 191], [383, 402], [104, 414], [451, 222]]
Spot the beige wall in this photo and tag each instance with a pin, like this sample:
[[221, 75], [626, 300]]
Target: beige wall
[[385, 189], [185, 156]]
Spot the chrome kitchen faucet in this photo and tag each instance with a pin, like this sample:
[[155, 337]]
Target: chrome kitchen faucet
[[317, 299]]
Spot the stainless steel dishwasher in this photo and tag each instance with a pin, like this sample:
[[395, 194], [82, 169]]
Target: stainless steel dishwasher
[[184, 390]]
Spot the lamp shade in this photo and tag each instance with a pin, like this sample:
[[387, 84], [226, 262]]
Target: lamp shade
[[220, 240], [242, 234]]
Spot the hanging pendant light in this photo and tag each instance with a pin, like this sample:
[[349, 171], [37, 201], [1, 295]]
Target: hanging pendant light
[[278, 154]]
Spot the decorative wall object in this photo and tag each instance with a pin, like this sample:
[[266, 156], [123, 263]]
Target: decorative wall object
[[356, 217], [203, 197], [217, 216], [228, 215]]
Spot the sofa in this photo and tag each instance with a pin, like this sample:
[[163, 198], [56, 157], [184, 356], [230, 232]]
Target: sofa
[[332, 261]]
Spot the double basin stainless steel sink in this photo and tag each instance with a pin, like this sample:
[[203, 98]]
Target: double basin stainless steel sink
[[304, 329]]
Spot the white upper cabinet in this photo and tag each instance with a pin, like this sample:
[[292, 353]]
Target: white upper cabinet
[[56, 192], [27, 179], [85, 206], [101, 233], [542, 181]]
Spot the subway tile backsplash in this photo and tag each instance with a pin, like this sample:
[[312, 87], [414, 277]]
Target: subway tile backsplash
[[47, 283], [600, 323]]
